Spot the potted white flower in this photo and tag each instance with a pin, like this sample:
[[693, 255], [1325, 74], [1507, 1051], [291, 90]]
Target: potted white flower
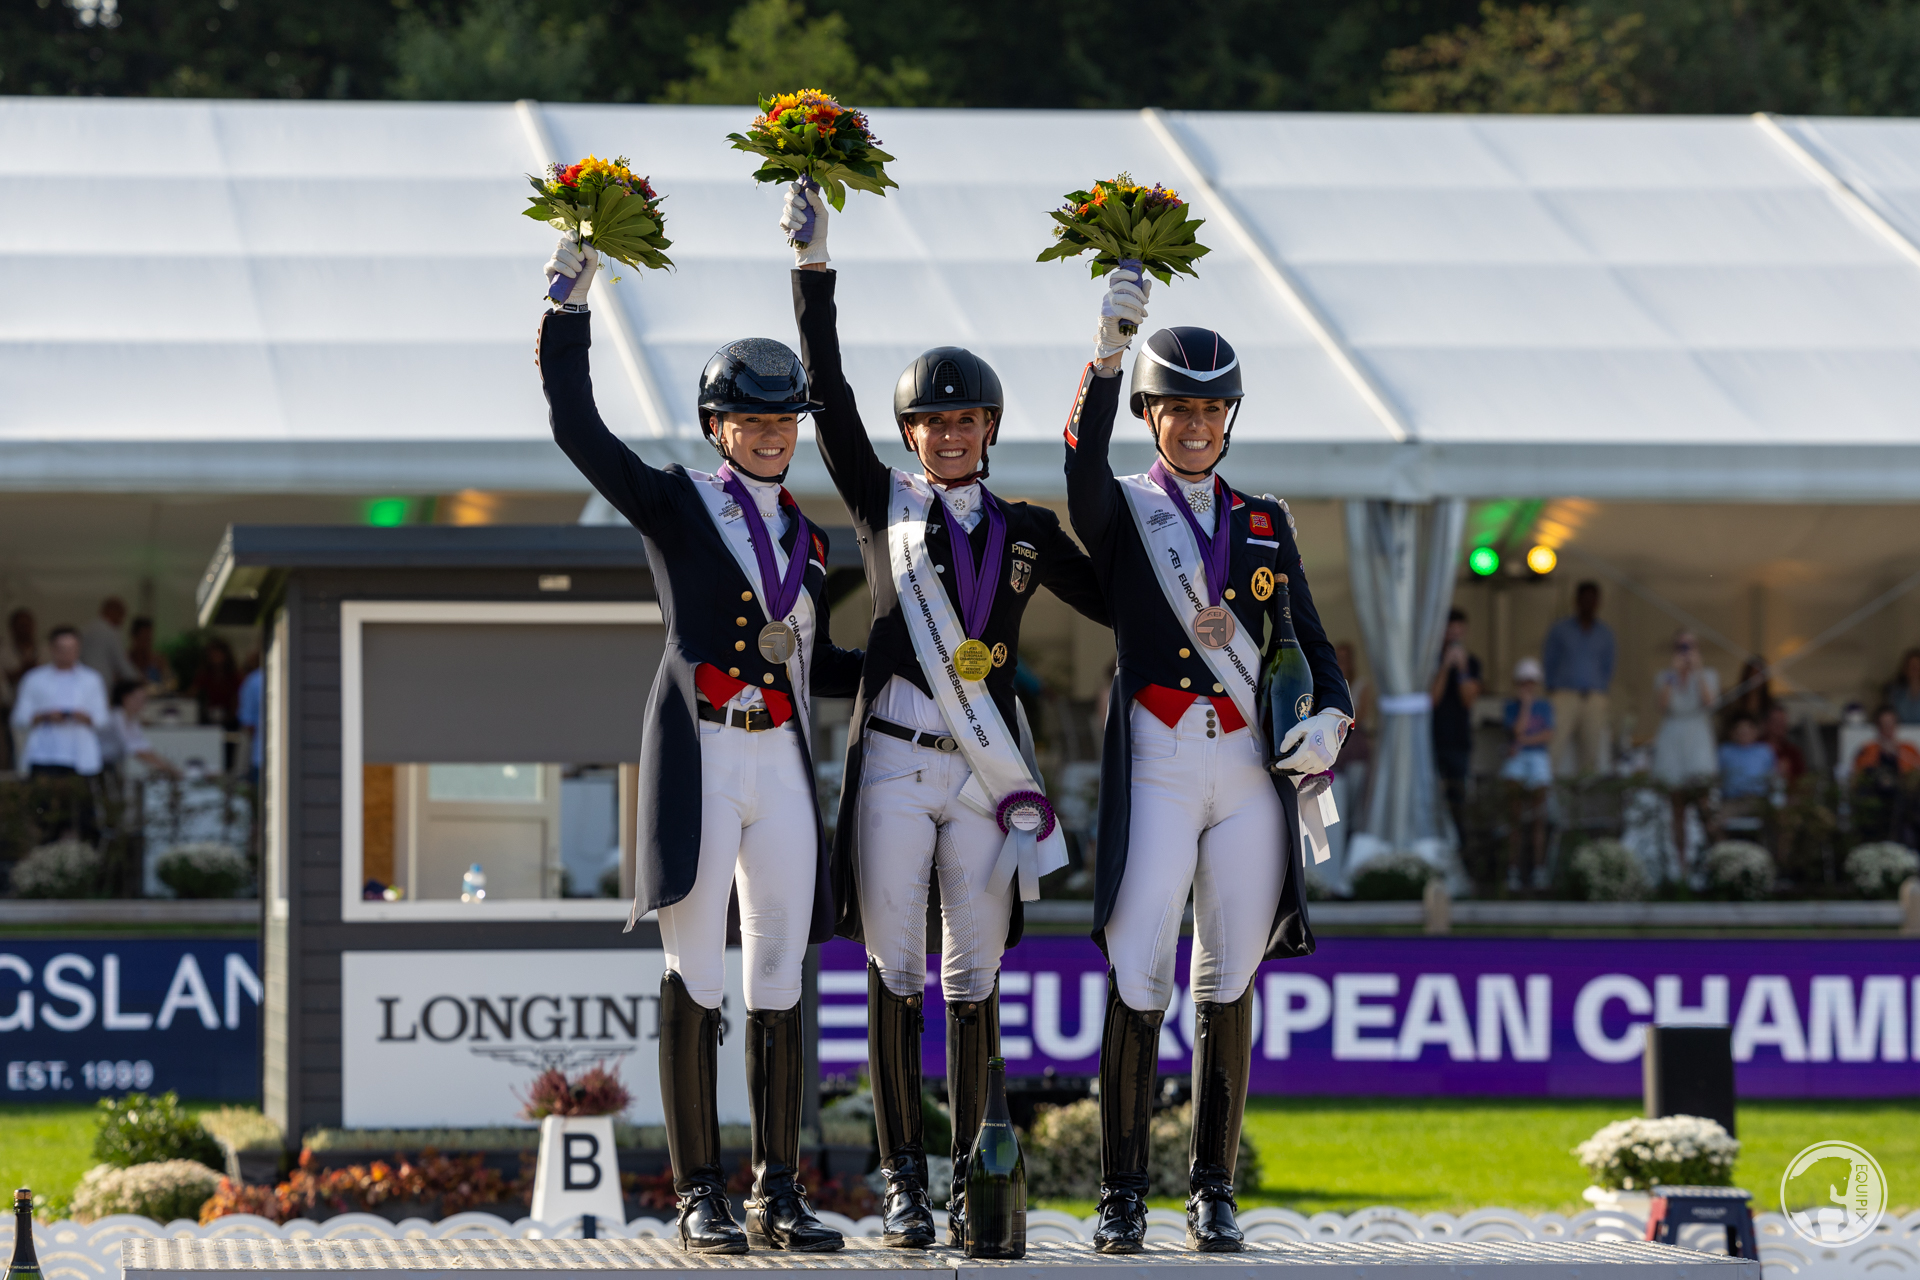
[[1627, 1158]]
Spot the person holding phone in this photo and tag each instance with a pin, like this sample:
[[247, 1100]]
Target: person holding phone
[[60, 706]]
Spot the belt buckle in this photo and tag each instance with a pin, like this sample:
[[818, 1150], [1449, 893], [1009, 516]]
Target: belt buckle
[[759, 720], [946, 742]]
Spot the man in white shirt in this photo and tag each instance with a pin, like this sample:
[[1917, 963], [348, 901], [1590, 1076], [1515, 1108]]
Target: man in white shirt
[[60, 706], [102, 648]]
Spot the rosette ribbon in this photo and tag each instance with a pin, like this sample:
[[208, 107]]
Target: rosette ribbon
[[1317, 812], [1027, 818]]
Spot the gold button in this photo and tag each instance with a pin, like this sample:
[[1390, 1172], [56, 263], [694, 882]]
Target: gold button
[[1219, 688], [734, 672], [1186, 653], [739, 622], [738, 645], [768, 677], [1185, 683], [746, 595], [1228, 593]]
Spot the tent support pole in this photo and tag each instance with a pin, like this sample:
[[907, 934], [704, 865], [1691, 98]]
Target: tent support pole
[[632, 355], [1282, 281]]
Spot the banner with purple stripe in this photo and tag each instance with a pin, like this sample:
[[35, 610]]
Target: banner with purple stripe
[[1491, 1016]]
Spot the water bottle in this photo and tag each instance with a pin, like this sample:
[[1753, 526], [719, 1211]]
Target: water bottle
[[1288, 679], [473, 885], [996, 1178], [26, 1263]]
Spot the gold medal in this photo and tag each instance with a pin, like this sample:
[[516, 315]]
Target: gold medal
[[973, 660], [777, 642], [1214, 627]]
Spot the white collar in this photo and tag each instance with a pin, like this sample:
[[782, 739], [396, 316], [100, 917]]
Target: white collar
[[766, 493], [965, 502]]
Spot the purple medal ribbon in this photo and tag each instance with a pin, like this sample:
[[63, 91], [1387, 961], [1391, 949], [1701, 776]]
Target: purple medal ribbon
[[976, 587], [1214, 549], [779, 595]]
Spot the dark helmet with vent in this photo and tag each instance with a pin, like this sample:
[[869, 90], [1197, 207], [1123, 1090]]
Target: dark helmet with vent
[[946, 378], [1184, 362], [753, 375]]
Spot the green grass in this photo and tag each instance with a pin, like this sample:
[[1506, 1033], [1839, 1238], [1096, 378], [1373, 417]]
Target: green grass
[[1321, 1153]]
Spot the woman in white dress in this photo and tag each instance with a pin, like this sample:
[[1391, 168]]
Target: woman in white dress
[[1684, 759]]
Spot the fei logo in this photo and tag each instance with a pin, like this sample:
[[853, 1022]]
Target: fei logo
[[1833, 1194]]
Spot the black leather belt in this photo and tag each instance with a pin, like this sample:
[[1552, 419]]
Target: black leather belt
[[935, 741], [756, 720]]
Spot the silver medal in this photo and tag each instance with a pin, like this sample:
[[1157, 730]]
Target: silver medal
[[777, 642]]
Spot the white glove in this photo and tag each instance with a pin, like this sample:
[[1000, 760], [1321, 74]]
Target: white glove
[[577, 262], [1312, 745], [804, 200], [1126, 300]]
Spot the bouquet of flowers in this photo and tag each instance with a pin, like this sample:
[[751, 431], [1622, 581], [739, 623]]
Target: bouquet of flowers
[[809, 136], [1127, 225], [605, 204]]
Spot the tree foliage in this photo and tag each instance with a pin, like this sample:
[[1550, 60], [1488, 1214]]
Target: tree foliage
[[772, 47], [1529, 60], [496, 50]]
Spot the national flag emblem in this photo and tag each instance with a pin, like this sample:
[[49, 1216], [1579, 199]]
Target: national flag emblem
[[1261, 523]]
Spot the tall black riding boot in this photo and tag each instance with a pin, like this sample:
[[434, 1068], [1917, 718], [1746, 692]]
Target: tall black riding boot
[[1222, 1056], [689, 1080], [893, 1050], [1129, 1064], [973, 1036], [778, 1215]]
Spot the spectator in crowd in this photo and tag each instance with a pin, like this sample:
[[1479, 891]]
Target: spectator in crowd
[[1778, 734], [101, 646], [123, 738], [1684, 759], [19, 654], [1579, 671], [146, 658], [1884, 770], [1748, 766], [1888, 750], [1752, 696], [61, 706], [1455, 686], [251, 689], [1903, 692], [217, 684], [1529, 767]]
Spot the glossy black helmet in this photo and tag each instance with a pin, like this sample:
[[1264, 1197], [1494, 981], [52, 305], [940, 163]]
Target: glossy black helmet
[[1184, 362], [753, 375], [946, 378]]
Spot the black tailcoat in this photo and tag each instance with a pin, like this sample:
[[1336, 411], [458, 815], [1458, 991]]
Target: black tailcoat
[[1151, 639], [1038, 551], [703, 593]]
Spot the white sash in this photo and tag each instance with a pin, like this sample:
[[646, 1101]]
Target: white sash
[[1171, 547], [991, 748], [732, 523]]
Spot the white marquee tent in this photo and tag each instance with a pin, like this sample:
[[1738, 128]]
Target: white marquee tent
[[301, 297]]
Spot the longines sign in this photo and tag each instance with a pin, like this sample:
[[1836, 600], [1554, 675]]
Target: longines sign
[[454, 1038]]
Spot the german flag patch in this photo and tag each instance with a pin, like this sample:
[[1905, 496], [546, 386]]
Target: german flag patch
[[1261, 523]]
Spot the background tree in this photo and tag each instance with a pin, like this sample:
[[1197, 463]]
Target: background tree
[[497, 50], [1529, 59], [772, 47]]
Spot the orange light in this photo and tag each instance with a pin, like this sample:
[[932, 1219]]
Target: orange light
[[1542, 560]]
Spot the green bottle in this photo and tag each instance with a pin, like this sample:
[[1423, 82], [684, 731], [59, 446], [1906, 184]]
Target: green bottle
[[1288, 679], [26, 1263], [996, 1178]]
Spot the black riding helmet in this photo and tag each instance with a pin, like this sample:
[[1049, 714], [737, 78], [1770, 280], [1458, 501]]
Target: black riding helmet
[[948, 378], [753, 375], [1187, 361]]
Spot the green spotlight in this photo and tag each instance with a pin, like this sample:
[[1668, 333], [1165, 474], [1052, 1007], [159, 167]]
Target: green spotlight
[[385, 513], [1484, 561]]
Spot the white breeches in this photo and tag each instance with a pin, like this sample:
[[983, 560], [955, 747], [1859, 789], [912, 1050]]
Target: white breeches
[[756, 834], [912, 823], [1206, 818]]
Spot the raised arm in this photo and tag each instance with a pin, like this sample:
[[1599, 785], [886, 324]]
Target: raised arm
[[639, 492], [1093, 500], [857, 471]]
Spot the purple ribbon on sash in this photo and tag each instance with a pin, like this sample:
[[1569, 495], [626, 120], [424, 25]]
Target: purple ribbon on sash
[[780, 595], [1214, 548], [976, 587]]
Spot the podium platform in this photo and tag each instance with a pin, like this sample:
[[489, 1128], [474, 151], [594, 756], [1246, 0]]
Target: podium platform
[[179, 1259]]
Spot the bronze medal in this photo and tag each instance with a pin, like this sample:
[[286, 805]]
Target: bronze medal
[[1214, 627], [777, 642], [973, 660]]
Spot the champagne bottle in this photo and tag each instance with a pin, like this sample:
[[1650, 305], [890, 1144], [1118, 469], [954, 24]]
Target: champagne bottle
[[1289, 680], [26, 1263], [996, 1178]]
